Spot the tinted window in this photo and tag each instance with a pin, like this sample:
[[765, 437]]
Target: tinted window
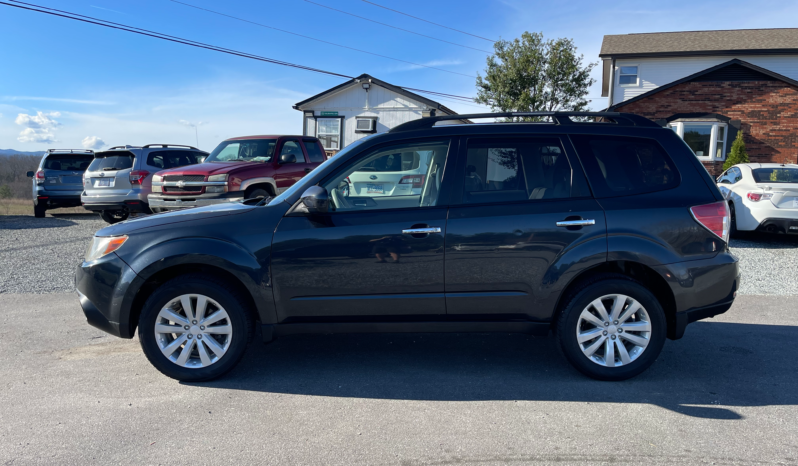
[[247, 150], [71, 162], [775, 175], [315, 152], [292, 147], [112, 162], [166, 159], [506, 170], [620, 166], [395, 162]]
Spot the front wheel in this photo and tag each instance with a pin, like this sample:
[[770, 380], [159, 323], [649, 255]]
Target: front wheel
[[613, 329], [114, 216], [193, 328]]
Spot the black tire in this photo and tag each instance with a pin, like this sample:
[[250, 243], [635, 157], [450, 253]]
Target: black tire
[[38, 211], [733, 233], [240, 319], [591, 290], [257, 192], [114, 216]]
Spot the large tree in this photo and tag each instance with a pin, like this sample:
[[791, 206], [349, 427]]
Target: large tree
[[533, 74]]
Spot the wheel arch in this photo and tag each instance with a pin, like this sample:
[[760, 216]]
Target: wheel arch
[[265, 182]]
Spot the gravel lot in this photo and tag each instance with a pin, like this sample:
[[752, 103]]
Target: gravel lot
[[40, 256]]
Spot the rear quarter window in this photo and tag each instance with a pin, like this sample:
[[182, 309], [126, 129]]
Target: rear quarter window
[[71, 162], [109, 162], [166, 159], [624, 166], [315, 152]]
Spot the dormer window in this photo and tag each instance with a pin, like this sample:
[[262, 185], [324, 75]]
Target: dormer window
[[627, 76]]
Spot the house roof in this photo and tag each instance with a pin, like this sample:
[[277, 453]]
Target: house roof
[[707, 75], [728, 42], [373, 80]]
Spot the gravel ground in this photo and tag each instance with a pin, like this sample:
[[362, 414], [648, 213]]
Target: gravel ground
[[40, 256]]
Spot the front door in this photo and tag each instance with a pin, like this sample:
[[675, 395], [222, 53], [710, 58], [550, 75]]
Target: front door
[[286, 174], [508, 251], [378, 252]]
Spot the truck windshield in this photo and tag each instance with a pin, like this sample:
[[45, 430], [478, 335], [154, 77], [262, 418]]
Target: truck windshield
[[243, 150]]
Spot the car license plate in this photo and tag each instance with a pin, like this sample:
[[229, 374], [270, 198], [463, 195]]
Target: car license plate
[[103, 182], [375, 188]]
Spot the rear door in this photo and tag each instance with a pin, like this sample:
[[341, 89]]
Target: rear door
[[524, 224], [64, 172], [286, 174], [109, 173]]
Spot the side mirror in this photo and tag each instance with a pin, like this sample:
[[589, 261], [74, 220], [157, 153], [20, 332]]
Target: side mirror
[[30, 174], [287, 158], [316, 200]]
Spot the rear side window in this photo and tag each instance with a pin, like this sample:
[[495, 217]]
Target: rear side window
[[108, 162], [315, 152], [166, 159], [71, 162], [623, 166]]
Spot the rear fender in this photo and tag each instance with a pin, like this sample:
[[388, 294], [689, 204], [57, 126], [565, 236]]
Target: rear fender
[[569, 265]]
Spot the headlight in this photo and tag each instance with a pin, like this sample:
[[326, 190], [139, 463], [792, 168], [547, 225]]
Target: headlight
[[157, 178], [102, 245], [215, 189], [218, 177]]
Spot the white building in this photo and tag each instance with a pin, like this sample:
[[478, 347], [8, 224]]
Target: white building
[[359, 107]]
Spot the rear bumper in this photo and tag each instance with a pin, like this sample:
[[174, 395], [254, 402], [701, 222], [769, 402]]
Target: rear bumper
[[130, 206], [102, 286], [787, 226], [57, 198], [160, 202]]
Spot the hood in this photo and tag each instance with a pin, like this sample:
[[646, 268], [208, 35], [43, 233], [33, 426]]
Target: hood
[[211, 168], [178, 216]]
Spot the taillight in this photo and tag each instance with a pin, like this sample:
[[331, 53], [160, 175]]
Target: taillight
[[137, 176], [40, 175], [756, 197], [416, 180], [714, 217]]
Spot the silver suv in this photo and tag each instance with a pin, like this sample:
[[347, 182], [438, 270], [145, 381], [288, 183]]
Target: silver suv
[[119, 179], [57, 181]]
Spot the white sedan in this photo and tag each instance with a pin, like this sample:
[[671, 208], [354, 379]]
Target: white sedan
[[762, 197]]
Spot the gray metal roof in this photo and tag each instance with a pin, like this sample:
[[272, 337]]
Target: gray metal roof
[[733, 41]]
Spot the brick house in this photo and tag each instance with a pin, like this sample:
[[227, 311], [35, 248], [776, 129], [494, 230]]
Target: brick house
[[708, 85]]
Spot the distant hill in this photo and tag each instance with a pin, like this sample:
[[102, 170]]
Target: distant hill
[[12, 152]]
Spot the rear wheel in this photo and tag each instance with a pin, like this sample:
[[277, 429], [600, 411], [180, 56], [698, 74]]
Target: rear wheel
[[613, 329], [194, 328], [38, 211], [114, 216], [733, 233]]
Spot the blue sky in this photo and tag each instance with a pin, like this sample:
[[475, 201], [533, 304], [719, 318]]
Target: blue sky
[[65, 83]]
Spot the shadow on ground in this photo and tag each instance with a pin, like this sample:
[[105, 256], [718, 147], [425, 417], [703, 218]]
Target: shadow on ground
[[716, 363], [764, 240], [27, 222]]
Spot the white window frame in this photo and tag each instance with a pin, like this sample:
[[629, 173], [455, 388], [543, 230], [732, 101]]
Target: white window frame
[[319, 134], [678, 127], [637, 75]]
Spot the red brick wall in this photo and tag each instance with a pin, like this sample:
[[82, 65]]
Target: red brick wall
[[768, 111]]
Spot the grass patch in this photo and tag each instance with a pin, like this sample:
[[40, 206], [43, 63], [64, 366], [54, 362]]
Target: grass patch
[[25, 207]]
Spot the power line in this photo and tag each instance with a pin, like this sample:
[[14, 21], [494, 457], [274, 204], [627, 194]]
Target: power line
[[396, 27], [317, 40], [422, 19], [179, 40]]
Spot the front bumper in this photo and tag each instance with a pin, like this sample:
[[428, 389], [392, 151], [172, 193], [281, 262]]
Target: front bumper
[[102, 286], [161, 202]]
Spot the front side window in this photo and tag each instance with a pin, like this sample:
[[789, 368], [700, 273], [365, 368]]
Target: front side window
[[707, 139], [315, 152], [400, 176], [509, 170], [292, 148], [622, 166], [328, 130], [627, 76], [248, 150], [71, 162], [775, 175]]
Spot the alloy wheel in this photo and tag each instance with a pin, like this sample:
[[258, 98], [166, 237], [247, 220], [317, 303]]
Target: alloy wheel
[[193, 331], [613, 330]]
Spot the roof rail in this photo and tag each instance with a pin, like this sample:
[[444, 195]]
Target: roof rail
[[169, 145], [71, 151], [123, 147], [559, 118]]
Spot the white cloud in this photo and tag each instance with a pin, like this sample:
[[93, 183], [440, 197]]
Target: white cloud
[[92, 142], [432, 63], [33, 135], [39, 121], [192, 125]]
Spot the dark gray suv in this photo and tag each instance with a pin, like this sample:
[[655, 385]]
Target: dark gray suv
[[58, 182]]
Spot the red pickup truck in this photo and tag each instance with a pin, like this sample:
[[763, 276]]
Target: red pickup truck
[[239, 168]]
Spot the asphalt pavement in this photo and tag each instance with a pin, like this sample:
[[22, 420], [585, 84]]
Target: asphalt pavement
[[727, 393]]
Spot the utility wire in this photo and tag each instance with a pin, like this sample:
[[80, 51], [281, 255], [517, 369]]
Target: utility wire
[[422, 19], [395, 27], [317, 40], [179, 40]]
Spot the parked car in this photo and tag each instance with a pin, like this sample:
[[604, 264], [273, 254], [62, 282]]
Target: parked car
[[610, 234], [119, 179], [58, 181], [239, 168], [762, 197]]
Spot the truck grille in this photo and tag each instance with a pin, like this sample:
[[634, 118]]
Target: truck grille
[[186, 189], [184, 178]]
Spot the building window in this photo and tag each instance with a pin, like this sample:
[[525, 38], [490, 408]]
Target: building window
[[328, 130], [707, 139], [627, 76]]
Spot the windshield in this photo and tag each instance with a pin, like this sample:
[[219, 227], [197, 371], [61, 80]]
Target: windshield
[[776, 175], [244, 150]]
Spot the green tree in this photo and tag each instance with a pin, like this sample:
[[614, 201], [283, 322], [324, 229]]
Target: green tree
[[533, 74], [738, 153]]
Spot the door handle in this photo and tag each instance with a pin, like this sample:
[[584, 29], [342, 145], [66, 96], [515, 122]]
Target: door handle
[[576, 223], [421, 231]]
